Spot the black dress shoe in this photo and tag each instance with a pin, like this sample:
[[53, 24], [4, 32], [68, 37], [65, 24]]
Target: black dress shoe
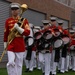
[[43, 73], [50, 73], [30, 71], [58, 71], [27, 70], [35, 68], [70, 69]]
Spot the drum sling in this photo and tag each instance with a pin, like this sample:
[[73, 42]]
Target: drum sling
[[64, 51], [57, 55], [29, 53]]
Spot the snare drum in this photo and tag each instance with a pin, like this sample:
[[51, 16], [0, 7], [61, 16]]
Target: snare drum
[[66, 39], [38, 35], [57, 32], [47, 35], [58, 43], [29, 41], [72, 48]]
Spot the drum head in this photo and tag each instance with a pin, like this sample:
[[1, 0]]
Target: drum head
[[48, 35], [66, 40], [38, 35], [72, 48], [29, 41], [57, 32], [58, 44]]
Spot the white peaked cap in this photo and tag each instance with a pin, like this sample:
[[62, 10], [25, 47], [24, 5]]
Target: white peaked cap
[[17, 5], [71, 31], [60, 21], [52, 18], [45, 21], [37, 27]]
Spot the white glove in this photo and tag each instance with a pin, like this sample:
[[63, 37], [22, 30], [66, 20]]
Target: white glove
[[20, 30], [5, 45], [16, 25]]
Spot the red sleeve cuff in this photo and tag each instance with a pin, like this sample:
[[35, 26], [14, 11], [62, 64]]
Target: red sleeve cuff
[[26, 32]]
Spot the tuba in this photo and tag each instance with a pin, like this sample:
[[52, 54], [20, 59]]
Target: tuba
[[14, 32]]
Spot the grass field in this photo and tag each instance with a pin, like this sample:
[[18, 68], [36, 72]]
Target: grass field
[[3, 71]]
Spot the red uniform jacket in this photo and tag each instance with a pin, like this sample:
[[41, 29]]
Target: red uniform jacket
[[72, 40], [18, 44], [53, 26]]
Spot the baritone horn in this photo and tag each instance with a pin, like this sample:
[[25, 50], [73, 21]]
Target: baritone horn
[[14, 32], [23, 7]]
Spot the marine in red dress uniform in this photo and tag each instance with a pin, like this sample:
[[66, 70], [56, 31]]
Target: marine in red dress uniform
[[45, 54], [15, 49], [64, 53]]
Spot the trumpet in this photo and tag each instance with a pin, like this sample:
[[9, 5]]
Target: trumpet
[[14, 32]]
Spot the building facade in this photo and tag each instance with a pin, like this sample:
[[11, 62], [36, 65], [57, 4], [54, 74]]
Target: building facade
[[38, 10]]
